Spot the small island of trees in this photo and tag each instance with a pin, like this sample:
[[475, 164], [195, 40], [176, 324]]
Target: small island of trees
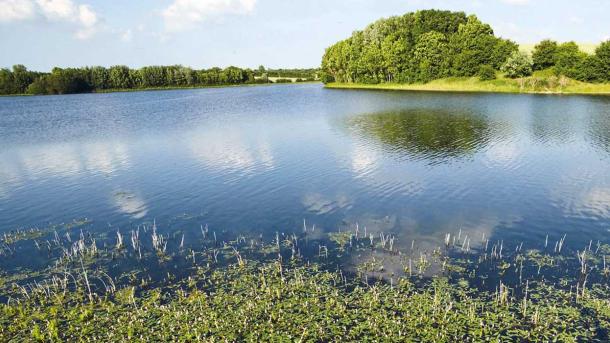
[[430, 45]]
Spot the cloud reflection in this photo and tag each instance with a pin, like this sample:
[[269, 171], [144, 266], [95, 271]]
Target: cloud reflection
[[230, 149], [130, 204], [59, 160]]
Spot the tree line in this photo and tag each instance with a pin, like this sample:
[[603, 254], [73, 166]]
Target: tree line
[[567, 59], [19, 80], [433, 44]]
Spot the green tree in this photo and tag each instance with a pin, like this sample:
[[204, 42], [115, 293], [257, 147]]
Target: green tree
[[21, 78], [590, 70], [406, 49], [6, 81], [39, 86], [518, 65], [430, 55], [568, 58], [475, 45], [100, 78], [603, 55], [120, 77], [544, 54]]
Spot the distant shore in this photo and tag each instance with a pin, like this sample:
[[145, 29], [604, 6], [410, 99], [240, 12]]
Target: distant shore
[[147, 89], [530, 85]]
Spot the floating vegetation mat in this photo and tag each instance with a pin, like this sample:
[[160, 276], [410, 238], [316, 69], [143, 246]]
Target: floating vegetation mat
[[146, 285]]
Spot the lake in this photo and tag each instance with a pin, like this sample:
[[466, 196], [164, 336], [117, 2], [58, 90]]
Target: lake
[[261, 160]]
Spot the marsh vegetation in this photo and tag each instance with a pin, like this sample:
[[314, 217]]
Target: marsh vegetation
[[150, 284]]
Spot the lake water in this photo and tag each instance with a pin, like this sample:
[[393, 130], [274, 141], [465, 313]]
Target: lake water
[[259, 160]]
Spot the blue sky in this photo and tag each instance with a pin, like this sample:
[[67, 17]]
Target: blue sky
[[276, 33]]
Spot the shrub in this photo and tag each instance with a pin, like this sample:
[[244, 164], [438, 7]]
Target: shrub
[[486, 73], [518, 65], [590, 69]]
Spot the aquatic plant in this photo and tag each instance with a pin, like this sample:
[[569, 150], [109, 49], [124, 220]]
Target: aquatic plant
[[248, 290]]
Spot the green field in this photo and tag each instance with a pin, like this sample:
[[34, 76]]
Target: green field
[[589, 48]]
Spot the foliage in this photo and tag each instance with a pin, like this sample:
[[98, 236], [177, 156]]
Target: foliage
[[415, 47], [91, 79], [486, 73], [431, 56], [567, 59], [603, 55], [544, 54], [518, 65]]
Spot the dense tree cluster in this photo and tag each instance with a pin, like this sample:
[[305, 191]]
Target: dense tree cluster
[[17, 80], [567, 59], [416, 47], [89, 79], [432, 44]]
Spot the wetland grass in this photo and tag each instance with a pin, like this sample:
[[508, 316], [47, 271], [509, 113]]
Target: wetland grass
[[218, 289]]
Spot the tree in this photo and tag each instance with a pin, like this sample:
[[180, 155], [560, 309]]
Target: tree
[[544, 54], [518, 65], [100, 78], [430, 55], [590, 70], [39, 86], [475, 45], [419, 46], [603, 55], [120, 77], [21, 78], [567, 58], [6, 81]]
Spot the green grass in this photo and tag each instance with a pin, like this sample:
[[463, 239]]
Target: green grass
[[537, 84]]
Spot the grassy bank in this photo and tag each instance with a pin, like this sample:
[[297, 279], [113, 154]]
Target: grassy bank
[[536, 85]]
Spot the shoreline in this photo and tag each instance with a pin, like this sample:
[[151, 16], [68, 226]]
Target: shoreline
[[149, 89], [473, 85]]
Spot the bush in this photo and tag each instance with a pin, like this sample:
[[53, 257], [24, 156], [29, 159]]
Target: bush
[[486, 73], [518, 65], [590, 69]]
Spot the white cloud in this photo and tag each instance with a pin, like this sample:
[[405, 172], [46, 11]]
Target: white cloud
[[516, 2], [184, 14], [81, 16], [11, 10], [57, 9]]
